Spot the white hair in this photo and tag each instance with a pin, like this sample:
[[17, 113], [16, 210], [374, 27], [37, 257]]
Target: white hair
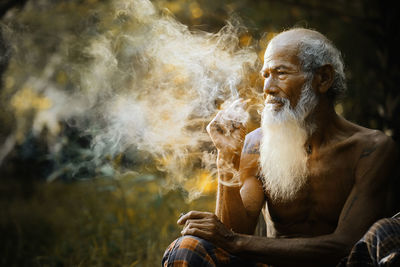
[[316, 51]]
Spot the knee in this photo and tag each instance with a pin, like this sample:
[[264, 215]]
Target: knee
[[169, 253], [188, 251], [383, 238], [383, 229]]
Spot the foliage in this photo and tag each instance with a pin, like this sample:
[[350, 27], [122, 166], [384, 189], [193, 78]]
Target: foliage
[[102, 222]]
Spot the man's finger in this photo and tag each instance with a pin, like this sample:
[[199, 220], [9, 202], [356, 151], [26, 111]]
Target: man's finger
[[202, 225], [193, 215], [198, 222], [197, 232]]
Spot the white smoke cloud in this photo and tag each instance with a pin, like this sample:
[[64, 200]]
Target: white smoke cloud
[[153, 84], [171, 78]]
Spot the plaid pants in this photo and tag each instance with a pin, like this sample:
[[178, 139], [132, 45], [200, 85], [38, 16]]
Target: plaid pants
[[194, 251], [380, 246]]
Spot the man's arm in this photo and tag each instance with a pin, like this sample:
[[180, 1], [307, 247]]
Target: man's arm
[[239, 207], [364, 206], [367, 202]]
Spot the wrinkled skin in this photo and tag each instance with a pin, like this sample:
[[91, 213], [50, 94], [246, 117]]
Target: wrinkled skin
[[351, 170], [207, 226]]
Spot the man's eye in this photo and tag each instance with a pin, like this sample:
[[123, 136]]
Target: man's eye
[[281, 73], [265, 75]]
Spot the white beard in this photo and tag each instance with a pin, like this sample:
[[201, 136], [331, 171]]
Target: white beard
[[283, 157]]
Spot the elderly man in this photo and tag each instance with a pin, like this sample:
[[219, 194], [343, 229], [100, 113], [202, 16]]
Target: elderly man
[[320, 180]]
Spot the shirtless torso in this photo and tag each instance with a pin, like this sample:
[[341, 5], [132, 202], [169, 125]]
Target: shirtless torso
[[317, 207], [349, 171]]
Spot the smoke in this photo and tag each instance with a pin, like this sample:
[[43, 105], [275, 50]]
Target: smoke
[[150, 84]]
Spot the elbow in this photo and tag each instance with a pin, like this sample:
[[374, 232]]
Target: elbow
[[341, 246]]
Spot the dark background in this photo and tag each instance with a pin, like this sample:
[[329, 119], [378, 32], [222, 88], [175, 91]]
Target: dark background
[[108, 222]]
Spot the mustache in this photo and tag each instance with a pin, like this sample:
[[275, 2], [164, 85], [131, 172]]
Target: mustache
[[272, 98]]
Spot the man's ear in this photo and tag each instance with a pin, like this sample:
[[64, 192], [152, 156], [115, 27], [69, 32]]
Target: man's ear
[[323, 78]]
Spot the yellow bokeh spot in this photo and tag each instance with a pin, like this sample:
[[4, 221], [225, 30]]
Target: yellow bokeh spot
[[196, 11], [207, 183], [202, 182], [245, 40], [27, 99], [9, 82], [339, 109], [174, 7], [388, 132]]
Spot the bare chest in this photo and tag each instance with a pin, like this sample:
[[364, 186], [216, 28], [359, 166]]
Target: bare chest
[[316, 207]]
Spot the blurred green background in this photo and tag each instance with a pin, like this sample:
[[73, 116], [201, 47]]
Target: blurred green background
[[95, 217]]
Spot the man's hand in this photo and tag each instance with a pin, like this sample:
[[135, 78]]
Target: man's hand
[[228, 129], [206, 225]]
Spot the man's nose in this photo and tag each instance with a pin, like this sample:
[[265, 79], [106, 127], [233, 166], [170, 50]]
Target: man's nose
[[270, 87]]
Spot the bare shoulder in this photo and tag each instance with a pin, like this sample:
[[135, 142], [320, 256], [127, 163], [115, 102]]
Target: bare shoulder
[[252, 142], [376, 155], [365, 142], [374, 143]]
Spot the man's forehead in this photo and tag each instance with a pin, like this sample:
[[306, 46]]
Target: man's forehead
[[281, 45], [287, 42], [280, 54]]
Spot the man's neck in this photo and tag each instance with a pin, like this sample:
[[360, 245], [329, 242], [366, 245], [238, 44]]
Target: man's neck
[[325, 122]]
